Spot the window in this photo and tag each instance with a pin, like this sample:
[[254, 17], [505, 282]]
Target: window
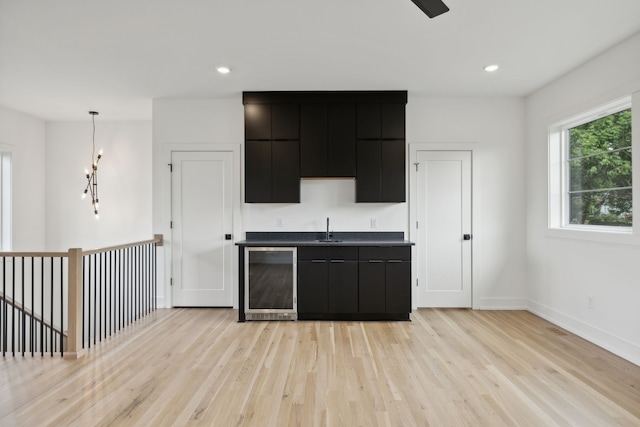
[[599, 171], [591, 170]]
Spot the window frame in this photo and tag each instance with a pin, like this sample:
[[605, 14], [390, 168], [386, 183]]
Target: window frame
[[559, 175]]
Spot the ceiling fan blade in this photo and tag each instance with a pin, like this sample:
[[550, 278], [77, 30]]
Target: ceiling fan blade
[[432, 8]]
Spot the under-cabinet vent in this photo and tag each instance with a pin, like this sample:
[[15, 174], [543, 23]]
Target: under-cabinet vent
[[271, 316]]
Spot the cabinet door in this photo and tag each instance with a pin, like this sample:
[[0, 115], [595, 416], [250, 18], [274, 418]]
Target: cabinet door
[[392, 119], [398, 286], [285, 172], [285, 121], [313, 140], [341, 142], [343, 286], [257, 171], [313, 293], [371, 286], [393, 171], [257, 121], [369, 171], [368, 121]]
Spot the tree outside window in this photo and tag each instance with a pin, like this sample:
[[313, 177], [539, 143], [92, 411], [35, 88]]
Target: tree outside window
[[599, 165]]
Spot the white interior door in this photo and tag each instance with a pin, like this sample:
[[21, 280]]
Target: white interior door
[[444, 218], [201, 198]]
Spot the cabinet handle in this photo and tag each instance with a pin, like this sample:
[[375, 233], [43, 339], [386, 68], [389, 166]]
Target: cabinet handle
[[395, 260], [318, 260], [376, 261], [337, 260]]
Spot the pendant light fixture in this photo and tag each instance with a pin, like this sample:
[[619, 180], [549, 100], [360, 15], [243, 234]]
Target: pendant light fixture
[[92, 175]]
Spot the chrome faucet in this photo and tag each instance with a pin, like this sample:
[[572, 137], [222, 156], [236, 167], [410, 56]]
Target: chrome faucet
[[327, 235]]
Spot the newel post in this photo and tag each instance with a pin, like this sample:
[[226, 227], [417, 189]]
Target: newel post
[[74, 348]]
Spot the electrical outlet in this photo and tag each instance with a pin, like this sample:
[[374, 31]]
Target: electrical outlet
[[591, 302], [279, 222], [374, 222]]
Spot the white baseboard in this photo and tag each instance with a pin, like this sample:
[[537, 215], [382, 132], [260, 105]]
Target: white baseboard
[[501, 303], [616, 345]]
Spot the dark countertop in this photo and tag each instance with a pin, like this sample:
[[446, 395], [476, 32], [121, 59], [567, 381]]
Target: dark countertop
[[278, 239]]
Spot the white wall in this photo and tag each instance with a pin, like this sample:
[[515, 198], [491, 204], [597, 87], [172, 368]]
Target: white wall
[[125, 188], [494, 129], [564, 271], [493, 125], [24, 136]]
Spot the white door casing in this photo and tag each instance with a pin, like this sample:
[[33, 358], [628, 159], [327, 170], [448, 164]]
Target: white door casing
[[443, 203], [202, 211]]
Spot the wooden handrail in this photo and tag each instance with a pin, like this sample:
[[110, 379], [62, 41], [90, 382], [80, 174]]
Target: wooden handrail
[[34, 254], [157, 239]]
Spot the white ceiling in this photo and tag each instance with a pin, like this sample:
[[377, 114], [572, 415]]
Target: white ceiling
[[60, 59]]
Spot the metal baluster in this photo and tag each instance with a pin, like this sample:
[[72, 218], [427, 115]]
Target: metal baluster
[[33, 309], [100, 298], [110, 290], [95, 291], [83, 294], [42, 306], [4, 304], [61, 306], [13, 306], [51, 323]]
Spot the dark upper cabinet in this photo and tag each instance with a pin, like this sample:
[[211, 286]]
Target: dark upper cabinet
[[285, 171], [324, 135], [381, 153], [285, 122], [257, 171], [327, 140], [369, 165], [392, 179], [313, 140], [341, 143], [381, 171], [257, 122], [392, 121], [272, 153], [369, 121]]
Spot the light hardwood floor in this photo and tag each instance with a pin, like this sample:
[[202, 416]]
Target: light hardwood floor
[[447, 367]]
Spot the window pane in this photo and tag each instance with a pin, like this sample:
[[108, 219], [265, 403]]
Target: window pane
[[607, 170], [604, 134], [611, 208]]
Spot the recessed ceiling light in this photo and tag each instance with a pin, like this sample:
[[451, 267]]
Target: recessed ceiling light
[[491, 68], [223, 70]]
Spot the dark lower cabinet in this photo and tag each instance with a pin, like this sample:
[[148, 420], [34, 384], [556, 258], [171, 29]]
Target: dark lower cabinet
[[398, 286], [327, 280], [343, 286], [313, 293], [372, 286], [365, 283], [385, 279]]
